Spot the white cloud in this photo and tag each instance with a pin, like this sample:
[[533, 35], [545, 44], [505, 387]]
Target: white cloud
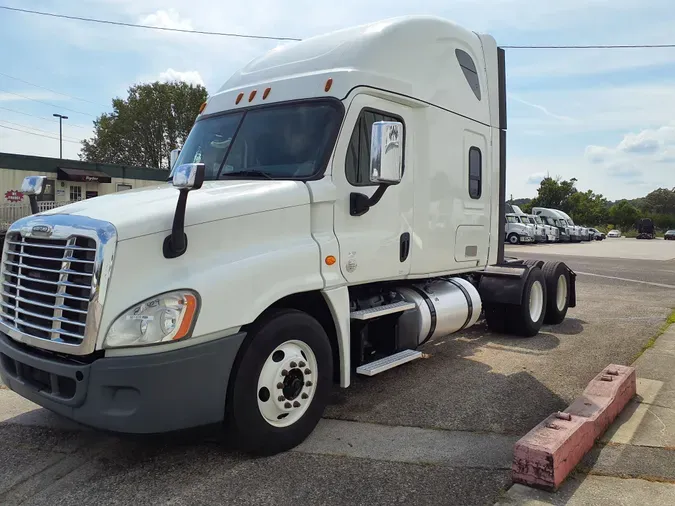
[[167, 19], [189, 76], [536, 178]]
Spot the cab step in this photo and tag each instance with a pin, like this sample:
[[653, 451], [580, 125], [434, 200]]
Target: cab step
[[386, 363], [376, 312]]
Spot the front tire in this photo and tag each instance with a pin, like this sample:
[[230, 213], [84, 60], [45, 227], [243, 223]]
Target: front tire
[[281, 383], [514, 239]]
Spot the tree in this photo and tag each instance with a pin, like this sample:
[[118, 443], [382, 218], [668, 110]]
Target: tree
[[588, 208], [661, 201], [143, 129], [623, 214], [555, 194]]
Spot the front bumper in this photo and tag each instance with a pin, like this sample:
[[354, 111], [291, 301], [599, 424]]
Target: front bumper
[[142, 394], [526, 238]]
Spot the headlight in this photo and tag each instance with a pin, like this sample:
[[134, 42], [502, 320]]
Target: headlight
[[166, 317]]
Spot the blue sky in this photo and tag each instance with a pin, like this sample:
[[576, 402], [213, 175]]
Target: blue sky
[[604, 117]]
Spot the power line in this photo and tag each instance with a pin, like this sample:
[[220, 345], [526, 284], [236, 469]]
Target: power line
[[119, 23], [50, 120], [47, 89], [38, 129], [47, 103], [269, 37], [39, 135]]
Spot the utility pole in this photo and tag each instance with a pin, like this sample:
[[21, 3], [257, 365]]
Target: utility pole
[[61, 118]]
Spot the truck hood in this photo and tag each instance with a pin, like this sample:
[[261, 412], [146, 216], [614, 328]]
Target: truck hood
[[151, 209]]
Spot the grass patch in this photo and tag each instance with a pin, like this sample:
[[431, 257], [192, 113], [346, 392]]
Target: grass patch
[[669, 321]]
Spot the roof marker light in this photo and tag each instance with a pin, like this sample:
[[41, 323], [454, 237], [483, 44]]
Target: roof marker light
[[202, 107], [329, 83], [239, 97], [252, 95], [266, 93]]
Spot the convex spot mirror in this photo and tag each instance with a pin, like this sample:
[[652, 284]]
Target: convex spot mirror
[[386, 152]]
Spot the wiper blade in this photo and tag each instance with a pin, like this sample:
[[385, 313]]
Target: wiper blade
[[248, 173]]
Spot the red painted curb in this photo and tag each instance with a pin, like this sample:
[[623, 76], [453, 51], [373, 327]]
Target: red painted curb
[[549, 452]]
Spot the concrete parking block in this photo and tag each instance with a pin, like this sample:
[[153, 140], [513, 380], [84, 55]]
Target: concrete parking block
[[548, 453]]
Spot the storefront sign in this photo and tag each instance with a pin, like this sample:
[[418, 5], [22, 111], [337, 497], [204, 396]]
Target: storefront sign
[[13, 196]]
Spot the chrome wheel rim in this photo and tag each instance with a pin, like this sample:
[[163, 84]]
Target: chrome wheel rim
[[287, 383]]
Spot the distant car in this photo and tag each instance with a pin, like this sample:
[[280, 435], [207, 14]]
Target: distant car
[[614, 233], [596, 234], [670, 235]]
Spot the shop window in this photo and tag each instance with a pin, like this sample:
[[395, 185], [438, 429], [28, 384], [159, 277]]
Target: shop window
[[75, 193]]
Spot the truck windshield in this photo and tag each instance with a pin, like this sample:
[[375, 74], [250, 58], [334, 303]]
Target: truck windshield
[[511, 219], [290, 141], [537, 219]]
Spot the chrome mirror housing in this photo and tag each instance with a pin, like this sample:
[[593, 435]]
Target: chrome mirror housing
[[189, 176], [386, 152], [33, 185], [173, 157]]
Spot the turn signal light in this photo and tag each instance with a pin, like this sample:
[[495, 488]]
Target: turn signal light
[[330, 260]]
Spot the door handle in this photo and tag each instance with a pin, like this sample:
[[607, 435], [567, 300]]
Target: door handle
[[405, 246]]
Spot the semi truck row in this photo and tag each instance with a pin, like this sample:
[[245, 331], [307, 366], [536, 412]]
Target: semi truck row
[[338, 204], [545, 225]]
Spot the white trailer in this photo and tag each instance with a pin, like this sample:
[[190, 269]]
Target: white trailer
[[338, 204]]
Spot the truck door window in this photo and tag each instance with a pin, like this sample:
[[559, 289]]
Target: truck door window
[[475, 172], [357, 164]]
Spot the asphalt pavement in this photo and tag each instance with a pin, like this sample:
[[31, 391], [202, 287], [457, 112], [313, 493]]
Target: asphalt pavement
[[436, 431]]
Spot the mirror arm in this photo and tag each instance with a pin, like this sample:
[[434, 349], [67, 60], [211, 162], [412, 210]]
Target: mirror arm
[[360, 204], [33, 204], [176, 243]]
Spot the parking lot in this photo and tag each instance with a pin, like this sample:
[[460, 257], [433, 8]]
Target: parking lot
[[436, 431]]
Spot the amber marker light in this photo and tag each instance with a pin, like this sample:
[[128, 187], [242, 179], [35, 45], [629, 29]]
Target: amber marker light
[[239, 97], [330, 260], [252, 95], [188, 317], [266, 93], [329, 84], [202, 107]]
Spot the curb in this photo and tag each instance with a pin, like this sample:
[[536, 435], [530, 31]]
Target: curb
[[546, 455]]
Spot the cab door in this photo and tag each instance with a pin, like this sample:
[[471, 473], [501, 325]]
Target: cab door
[[377, 244]]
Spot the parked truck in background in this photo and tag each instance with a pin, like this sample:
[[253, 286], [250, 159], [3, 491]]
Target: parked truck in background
[[542, 232], [553, 217], [518, 231], [291, 249]]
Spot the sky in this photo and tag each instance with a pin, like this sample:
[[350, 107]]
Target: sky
[[604, 117]]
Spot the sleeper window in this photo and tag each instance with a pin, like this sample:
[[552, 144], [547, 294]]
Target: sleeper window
[[475, 173]]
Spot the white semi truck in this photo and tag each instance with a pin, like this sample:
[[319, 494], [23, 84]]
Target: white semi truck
[[338, 204]]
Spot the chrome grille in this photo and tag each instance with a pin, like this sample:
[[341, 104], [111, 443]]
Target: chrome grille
[[47, 285]]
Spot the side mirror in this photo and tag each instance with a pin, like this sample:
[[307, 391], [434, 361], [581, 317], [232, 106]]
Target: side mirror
[[173, 157], [33, 186], [189, 176], [386, 152], [186, 177]]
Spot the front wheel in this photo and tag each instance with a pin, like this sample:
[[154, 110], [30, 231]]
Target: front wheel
[[514, 239], [281, 384]]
